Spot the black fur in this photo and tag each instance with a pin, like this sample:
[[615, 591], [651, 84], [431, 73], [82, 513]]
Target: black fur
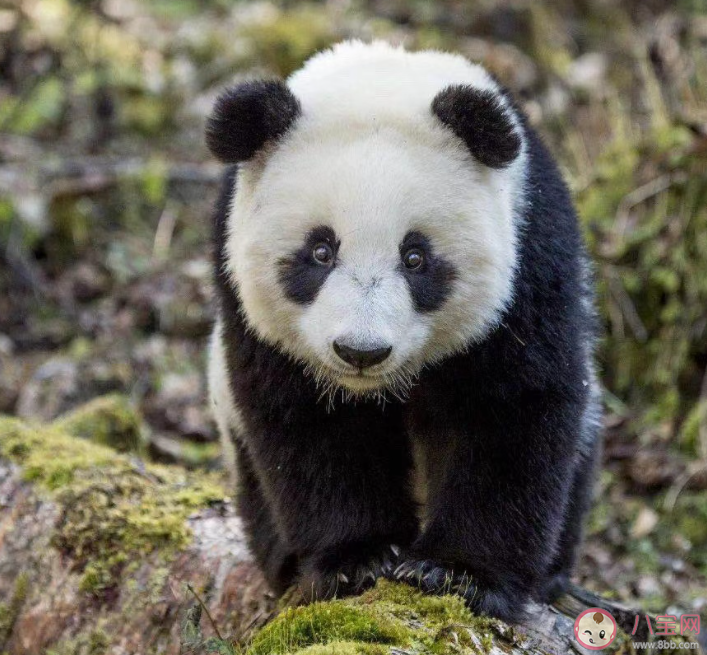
[[247, 116], [432, 282], [480, 120], [326, 493], [300, 275]]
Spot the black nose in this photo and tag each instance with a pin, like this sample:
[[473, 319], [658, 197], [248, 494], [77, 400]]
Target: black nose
[[361, 358]]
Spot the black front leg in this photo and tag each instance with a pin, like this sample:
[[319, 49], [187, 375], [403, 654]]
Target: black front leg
[[500, 475], [337, 487]]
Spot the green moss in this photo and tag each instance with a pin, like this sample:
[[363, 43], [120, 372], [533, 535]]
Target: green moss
[[114, 510], [388, 615], [110, 420], [345, 648], [324, 622], [48, 455]]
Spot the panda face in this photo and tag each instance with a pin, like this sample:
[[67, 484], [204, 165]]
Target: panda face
[[369, 252]]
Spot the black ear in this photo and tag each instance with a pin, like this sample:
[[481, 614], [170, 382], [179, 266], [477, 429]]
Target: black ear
[[479, 119], [248, 115]]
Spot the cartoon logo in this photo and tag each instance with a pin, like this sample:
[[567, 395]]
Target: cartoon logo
[[595, 628]]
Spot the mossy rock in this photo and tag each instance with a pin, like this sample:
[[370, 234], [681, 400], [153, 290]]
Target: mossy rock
[[389, 615], [115, 510]]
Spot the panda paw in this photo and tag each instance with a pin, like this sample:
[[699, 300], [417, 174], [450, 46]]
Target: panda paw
[[322, 579], [433, 577]]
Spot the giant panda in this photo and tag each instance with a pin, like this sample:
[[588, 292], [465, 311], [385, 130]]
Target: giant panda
[[401, 368]]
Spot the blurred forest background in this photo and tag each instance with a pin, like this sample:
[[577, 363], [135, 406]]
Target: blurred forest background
[[106, 189]]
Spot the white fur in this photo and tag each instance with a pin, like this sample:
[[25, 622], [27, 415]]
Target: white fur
[[592, 419], [370, 160], [223, 407]]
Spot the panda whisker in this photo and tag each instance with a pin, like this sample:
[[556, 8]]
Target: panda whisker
[[323, 383], [399, 382], [396, 385]]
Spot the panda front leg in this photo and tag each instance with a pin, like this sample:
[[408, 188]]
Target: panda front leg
[[560, 571], [336, 484], [277, 562], [498, 490]]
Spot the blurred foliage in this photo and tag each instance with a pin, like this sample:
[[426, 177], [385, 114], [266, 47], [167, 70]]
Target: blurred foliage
[[105, 186], [646, 214], [283, 43]]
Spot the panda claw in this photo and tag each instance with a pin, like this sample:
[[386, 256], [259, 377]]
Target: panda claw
[[351, 577], [403, 571]]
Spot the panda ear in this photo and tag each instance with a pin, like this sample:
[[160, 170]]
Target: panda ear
[[479, 119], [247, 116]]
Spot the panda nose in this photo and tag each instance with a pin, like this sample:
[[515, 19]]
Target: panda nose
[[361, 358]]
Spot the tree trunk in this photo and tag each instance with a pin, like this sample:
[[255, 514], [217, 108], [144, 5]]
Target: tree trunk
[[102, 553]]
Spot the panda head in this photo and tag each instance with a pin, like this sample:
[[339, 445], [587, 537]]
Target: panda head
[[373, 226]]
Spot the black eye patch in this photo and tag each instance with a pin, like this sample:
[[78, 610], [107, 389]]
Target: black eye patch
[[431, 283], [300, 274]]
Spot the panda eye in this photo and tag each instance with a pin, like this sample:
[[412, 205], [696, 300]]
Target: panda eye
[[323, 254], [413, 259]]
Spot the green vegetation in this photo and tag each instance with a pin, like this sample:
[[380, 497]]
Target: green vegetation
[[389, 615], [335, 622], [646, 217]]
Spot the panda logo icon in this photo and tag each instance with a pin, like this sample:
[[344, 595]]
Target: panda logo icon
[[595, 629]]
